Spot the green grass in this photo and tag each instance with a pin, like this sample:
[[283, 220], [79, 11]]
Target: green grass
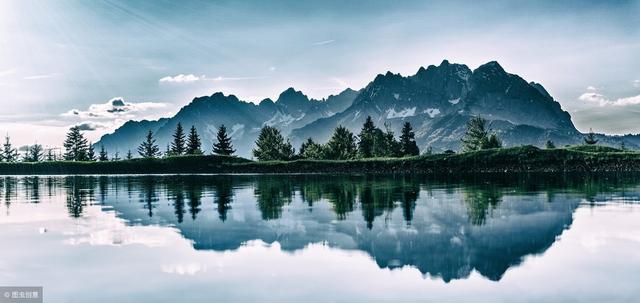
[[516, 159]]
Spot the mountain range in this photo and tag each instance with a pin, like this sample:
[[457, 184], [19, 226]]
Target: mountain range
[[437, 100]]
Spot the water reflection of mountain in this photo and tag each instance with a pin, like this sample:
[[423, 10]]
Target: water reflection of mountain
[[444, 229]]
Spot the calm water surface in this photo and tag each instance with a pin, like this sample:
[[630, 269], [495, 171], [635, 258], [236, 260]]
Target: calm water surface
[[322, 238]]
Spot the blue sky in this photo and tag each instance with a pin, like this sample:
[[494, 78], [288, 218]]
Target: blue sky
[[59, 56]]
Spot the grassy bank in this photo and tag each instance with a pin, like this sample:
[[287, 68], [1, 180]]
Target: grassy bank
[[506, 160]]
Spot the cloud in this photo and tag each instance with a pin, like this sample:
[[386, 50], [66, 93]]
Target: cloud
[[90, 126], [591, 88], [115, 108], [7, 72], [181, 78], [323, 42], [602, 100], [45, 76]]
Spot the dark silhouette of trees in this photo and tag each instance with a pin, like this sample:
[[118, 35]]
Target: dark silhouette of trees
[[76, 145], [549, 145], [9, 154], [272, 146], [91, 154], [342, 145], [148, 148], [178, 144], [103, 156], [129, 155], [35, 153], [590, 138], [193, 142], [408, 145], [367, 134], [223, 145]]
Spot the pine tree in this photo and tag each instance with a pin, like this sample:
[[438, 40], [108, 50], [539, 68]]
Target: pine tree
[[312, 150], [91, 154], [549, 145], [590, 138], [75, 145], [9, 154], [365, 144], [342, 145], [476, 134], [35, 153], [129, 155], [148, 148], [392, 146], [178, 144], [223, 146], [492, 142], [272, 146], [50, 155], [193, 142], [408, 145], [104, 156], [116, 156]]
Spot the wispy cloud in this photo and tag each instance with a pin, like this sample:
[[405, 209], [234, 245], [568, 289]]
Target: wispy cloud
[[90, 126], [602, 100], [181, 78], [115, 108], [7, 72], [45, 76], [324, 42]]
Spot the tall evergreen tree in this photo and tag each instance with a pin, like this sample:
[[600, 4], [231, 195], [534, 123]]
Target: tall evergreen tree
[[178, 144], [9, 154], [104, 156], [76, 145], [223, 145], [312, 150], [476, 135], [91, 154], [590, 138], [342, 145], [193, 142], [50, 155], [408, 145], [129, 155], [391, 145], [148, 148], [272, 146], [367, 134], [116, 156], [35, 153]]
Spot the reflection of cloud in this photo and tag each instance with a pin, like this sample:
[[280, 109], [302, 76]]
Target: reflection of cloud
[[600, 99], [114, 108], [324, 42], [181, 78], [183, 269]]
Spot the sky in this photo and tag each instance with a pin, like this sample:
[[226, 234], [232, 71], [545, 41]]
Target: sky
[[98, 64]]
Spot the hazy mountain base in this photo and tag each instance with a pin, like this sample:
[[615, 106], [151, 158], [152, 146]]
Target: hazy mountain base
[[508, 160]]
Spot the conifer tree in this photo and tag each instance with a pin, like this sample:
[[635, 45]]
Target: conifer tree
[[91, 154], [590, 138], [178, 144], [104, 156], [342, 145], [50, 155], [116, 156], [476, 134], [492, 142], [366, 142], [408, 145], [223, 145], [193, 142], [148, 148], [549, 145], [75, 145], [9, 154], [312, 150], [391, 145], [35, 153], [129, 155], [272, 146]]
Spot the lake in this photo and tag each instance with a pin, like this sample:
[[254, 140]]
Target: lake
[[320, 238]]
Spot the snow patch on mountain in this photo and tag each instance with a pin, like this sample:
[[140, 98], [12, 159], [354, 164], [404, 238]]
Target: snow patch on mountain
[[396, 96], [407, 112], [454, 101], [281, 119], [432, 112]]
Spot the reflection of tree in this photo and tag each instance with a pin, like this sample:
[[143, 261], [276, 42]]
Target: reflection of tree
[[223, 196], [478, 201], [194, 194], [342, 196], [176, 194], [79, 194], [103, 182], [272, 193], [148, 193], [9, 190], [32, 188]]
